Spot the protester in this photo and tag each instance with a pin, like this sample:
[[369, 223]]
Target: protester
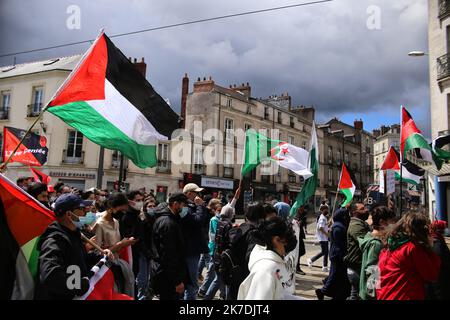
[[407, 262], [242, 241], [301, 243], [371, 246], [336, 284], [168, 271], [440, 289], [131, 225], [61, 247], [358, 227], [23, 182], [192, 223], [282, 210], [267, 266], [51, 194], [39, 191], [322, 234]]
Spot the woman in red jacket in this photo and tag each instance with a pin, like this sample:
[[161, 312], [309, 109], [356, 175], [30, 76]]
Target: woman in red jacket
[[408, 261]]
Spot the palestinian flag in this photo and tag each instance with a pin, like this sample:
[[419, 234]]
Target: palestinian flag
[[108, 100], [260, 148], [22, 221], [411, 139], [411, 173], [392, 160], [101, 284], [40, 176], [346, 186], [33, 151], [310, 185], [438, 145]]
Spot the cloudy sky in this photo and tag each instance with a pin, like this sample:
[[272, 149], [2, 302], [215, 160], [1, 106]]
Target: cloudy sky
[[323, 55]]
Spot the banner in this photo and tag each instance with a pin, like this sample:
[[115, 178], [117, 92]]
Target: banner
[[33, 151], [390, 182]]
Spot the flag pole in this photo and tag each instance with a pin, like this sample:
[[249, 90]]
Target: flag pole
[[337, 192], [401, 187], [60, 88]]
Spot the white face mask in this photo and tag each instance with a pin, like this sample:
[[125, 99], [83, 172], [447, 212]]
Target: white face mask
[[138, 205]]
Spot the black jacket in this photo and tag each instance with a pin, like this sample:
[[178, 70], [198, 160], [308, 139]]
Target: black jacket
[[60, 248], [168, 262], [193, 229], [131, 225], [338, 237]]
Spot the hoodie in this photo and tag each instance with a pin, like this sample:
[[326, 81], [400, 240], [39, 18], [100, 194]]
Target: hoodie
[[405, 268], [357, 228], [370, 248], [267, 274]]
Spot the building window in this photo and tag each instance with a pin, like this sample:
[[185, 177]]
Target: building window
[[163, 158], [367, 160], [263, 131], [6, 98], [330, 176], [161, 194], [330, 155], [304, 145], [291, 122], [229, 130], [279, 117], [199, 168], [292, 178], [74, 152], [339, 156], [249, 110], [291, 140], [229, 103], [266, 113], [247, 126], [115, 160], [36, 102], [346, 159]]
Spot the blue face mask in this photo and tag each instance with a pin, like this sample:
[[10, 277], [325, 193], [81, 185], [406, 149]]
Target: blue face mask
[[89, 218], [184, 212], [151, 212]]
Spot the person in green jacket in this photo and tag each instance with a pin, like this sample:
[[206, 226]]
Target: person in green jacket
[[371, 245]]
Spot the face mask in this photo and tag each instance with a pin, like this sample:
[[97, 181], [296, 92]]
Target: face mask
[[184, 212], [101, 198], [79, 224], [151, 212], [138, 205], [89, 218]]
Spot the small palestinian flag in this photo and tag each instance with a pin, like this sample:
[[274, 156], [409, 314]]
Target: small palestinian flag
[[392, 161], [411, 139], [33, 151], [411, 173], [108, 100], [22, 221], [40, 176], [346, 186]]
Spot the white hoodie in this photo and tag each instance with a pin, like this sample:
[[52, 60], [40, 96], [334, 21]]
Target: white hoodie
[[267, 274]]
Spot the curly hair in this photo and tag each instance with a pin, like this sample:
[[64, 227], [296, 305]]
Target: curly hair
[[415, 226]]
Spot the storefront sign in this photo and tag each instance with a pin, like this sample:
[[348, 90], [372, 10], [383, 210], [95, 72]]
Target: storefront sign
[[217, 183], [79, 175]]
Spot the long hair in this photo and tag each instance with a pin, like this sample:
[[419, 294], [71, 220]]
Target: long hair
[[415, 226]]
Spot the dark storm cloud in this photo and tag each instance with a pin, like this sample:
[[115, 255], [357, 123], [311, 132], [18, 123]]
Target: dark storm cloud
[[322, 55]]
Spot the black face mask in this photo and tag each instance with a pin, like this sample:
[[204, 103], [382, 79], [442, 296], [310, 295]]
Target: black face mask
[[118, 215]]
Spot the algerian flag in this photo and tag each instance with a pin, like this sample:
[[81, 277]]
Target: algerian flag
[[260, 148], [108, 100], [310, 185], [346, 185]]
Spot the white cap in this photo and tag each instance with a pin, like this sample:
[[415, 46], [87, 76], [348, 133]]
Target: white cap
[[192, 187]]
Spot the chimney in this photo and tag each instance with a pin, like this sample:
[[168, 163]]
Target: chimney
[[204, 85], [376, 133], [385, 129], [358, 124], [141, 66], [184, 93], [245, 88]]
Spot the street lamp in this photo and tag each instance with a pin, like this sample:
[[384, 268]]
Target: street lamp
[[417, 54]]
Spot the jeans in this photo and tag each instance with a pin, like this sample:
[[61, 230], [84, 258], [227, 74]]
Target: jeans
[[205, 259], [353, 278], [142, 278], [323, 252], [209, 278], [216, 285], [192, 289]]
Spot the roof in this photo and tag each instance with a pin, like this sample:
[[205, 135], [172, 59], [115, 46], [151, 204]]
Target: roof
[[346, 124], [62, 63]]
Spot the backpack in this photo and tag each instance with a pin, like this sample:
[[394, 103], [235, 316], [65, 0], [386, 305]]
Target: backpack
[[222, 242]]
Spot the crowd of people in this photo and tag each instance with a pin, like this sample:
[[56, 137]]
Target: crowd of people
[[190, 247]]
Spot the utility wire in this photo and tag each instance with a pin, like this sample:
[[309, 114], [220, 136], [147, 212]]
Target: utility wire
[[172, 26]]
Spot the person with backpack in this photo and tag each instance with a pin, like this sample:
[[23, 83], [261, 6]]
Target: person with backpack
[[234, 264], [268, 272]]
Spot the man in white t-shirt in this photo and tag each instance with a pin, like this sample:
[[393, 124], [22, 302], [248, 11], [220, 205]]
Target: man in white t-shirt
[[322, 234]]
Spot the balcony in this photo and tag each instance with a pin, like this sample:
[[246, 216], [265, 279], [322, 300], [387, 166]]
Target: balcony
[[292, 178], [4, 114], [443, 69], [199, 169], [228, 172], [71, 159], [444, 9], [164, 166], [34, 109]]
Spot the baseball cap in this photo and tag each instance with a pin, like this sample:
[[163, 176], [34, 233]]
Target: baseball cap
[[179, 197], [70, 201], [192, 187]]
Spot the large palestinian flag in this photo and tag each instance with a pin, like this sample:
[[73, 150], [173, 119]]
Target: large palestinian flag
[[33, 150], [346, 185], [22, 221], [112, 104]]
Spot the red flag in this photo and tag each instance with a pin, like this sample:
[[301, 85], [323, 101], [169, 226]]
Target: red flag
[[408, 129], [391, 162], [33, 150], [40, 176]]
